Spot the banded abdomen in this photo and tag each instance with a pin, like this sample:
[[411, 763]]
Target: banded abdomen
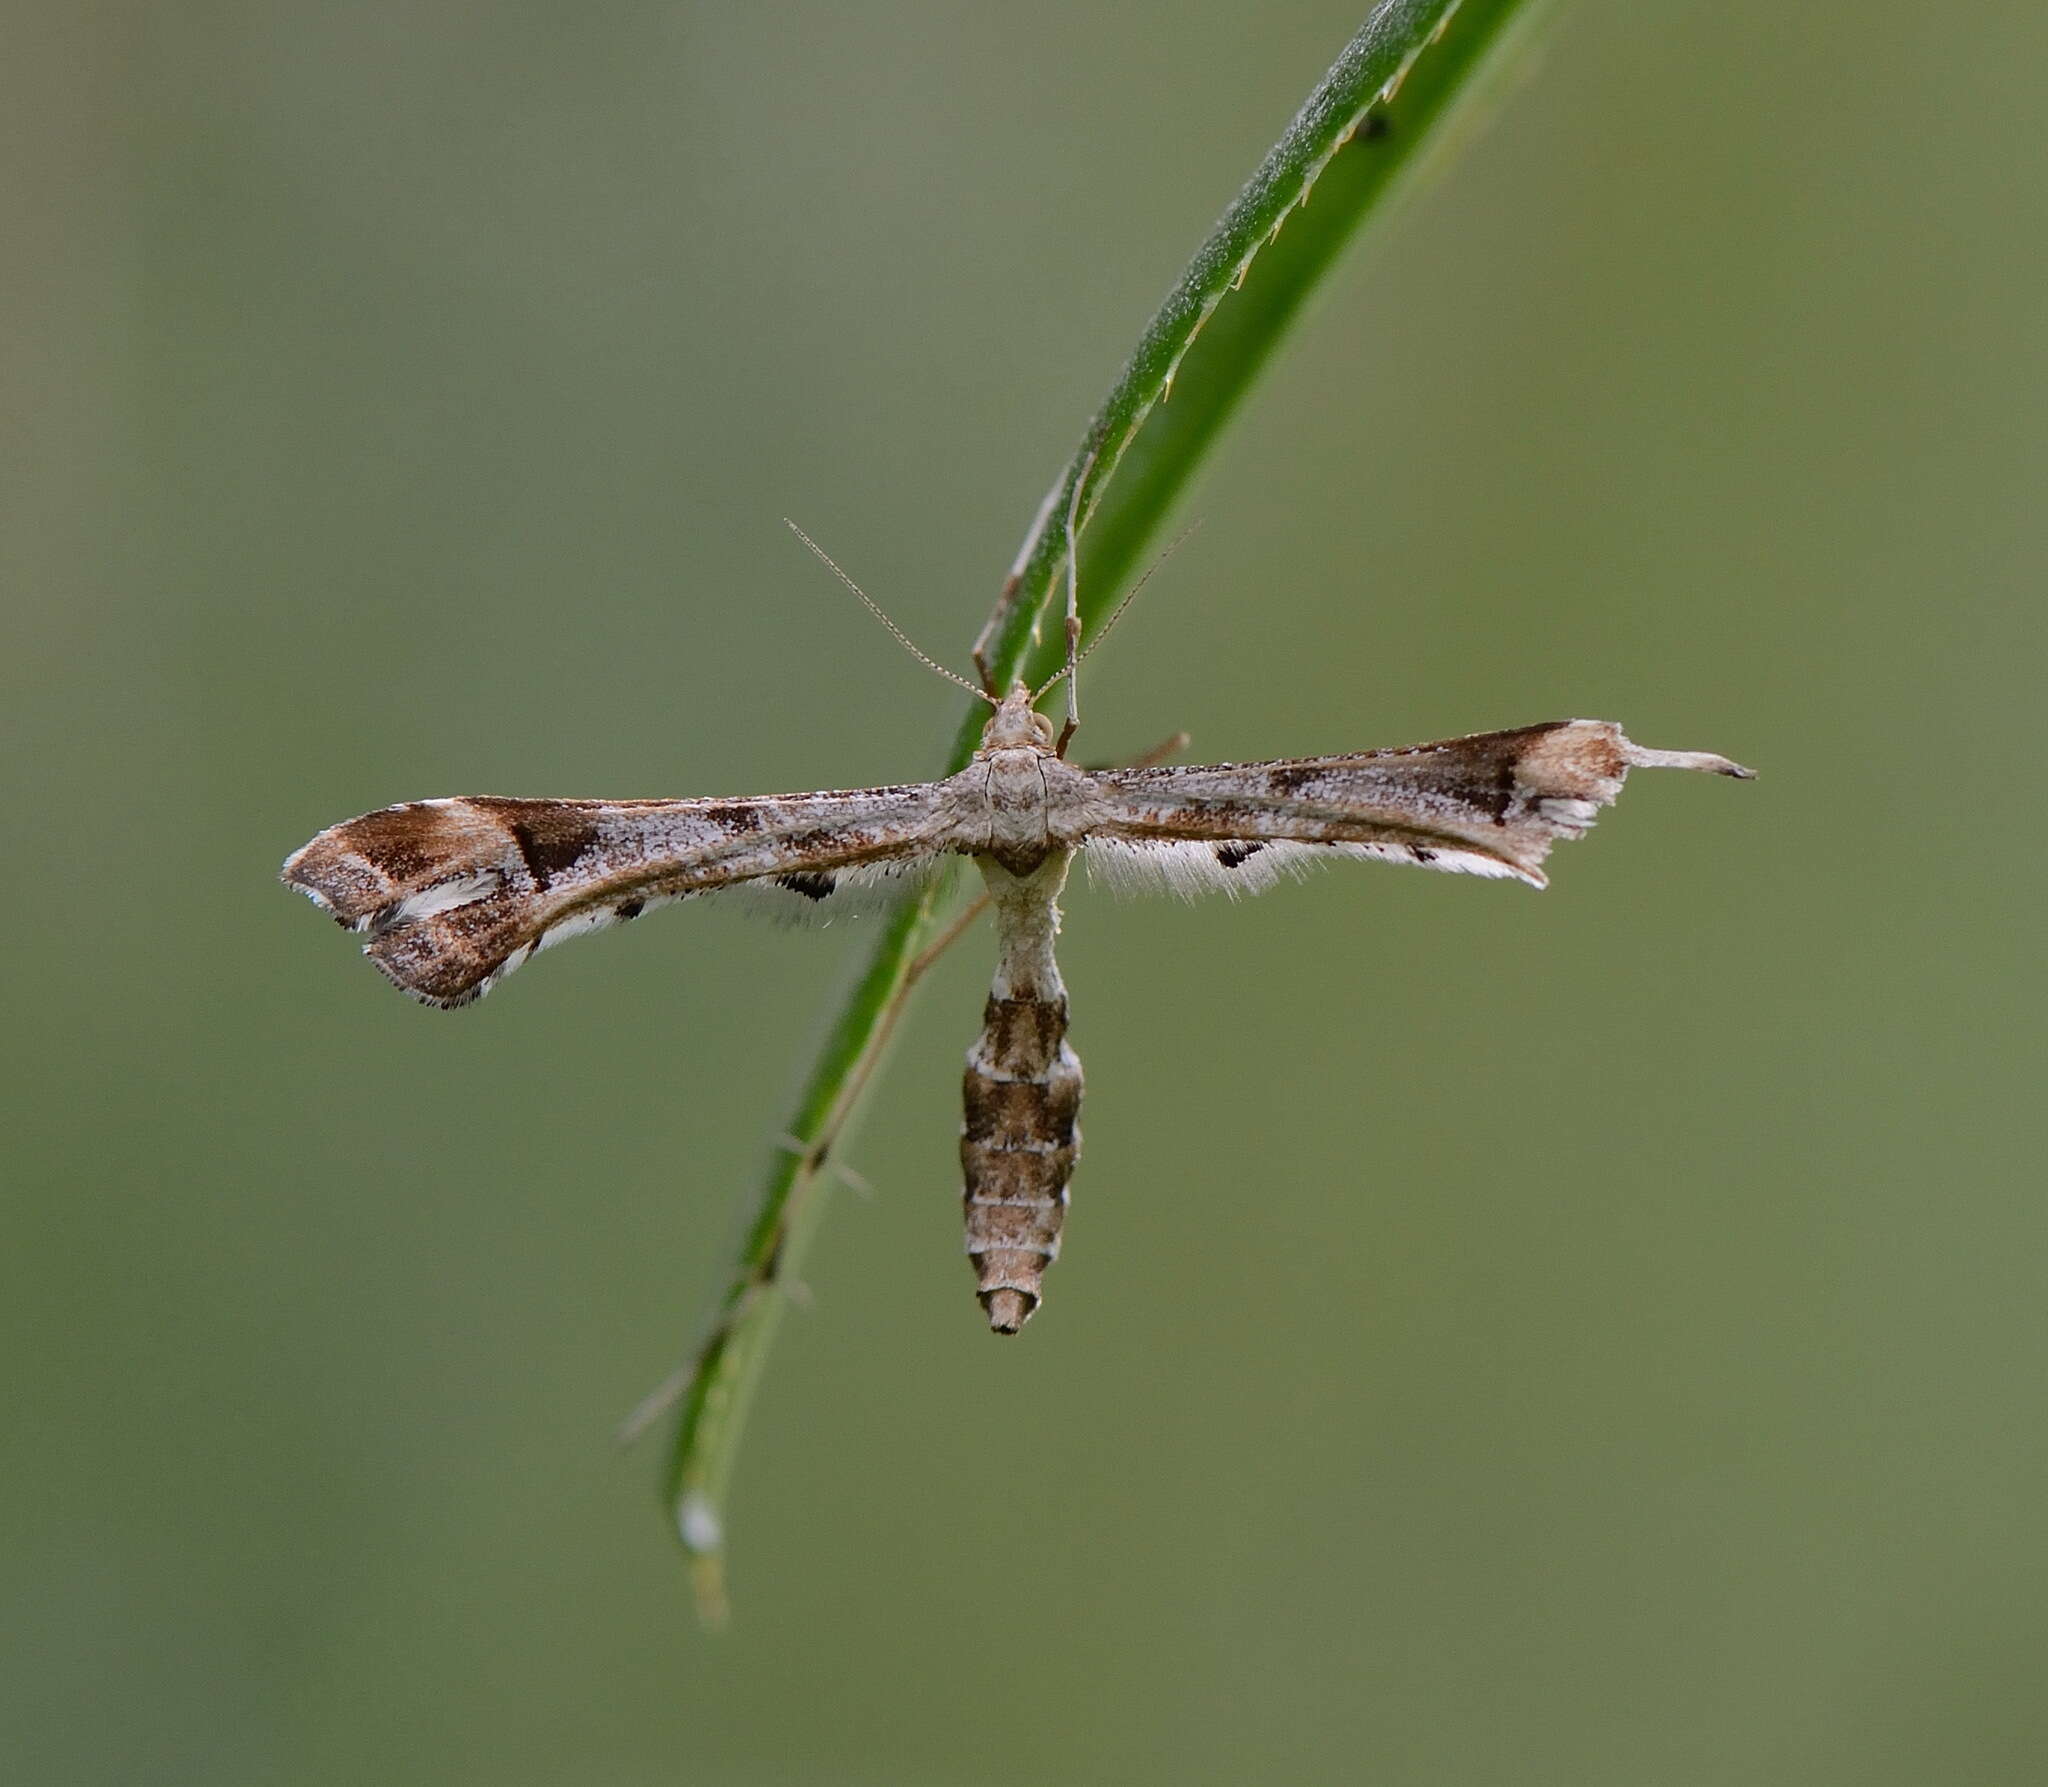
[[1021, 1134]]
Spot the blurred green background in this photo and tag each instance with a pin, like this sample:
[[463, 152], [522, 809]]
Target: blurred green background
[[1584, 1338]]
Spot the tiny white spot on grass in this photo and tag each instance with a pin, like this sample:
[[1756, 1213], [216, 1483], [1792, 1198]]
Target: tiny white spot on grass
[[698, 1525]]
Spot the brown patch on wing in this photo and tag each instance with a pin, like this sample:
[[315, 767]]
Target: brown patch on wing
[[403, 844], [442, 891], [552, 837], [359, 868], [734, 816]]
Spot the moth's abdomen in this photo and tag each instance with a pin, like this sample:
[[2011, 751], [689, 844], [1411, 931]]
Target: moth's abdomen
[[1018, 1145]]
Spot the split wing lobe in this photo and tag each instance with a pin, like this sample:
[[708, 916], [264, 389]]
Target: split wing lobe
[[1489, 804], [451, 895]]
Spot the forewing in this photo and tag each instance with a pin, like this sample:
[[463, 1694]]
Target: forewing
[[452, 895], [1492, 804]]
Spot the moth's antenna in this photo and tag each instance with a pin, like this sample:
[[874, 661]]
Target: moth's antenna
[[1117, 613], [902, 638]]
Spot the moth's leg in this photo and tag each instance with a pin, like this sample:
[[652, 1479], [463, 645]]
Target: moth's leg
[[985, 639], [945, 940], [1074, 604], [1170, 746]]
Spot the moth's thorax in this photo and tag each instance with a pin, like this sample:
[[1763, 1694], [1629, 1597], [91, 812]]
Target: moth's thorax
[[1018, 810]]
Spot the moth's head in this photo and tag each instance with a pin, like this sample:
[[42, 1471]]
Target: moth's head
[[1016, 725]]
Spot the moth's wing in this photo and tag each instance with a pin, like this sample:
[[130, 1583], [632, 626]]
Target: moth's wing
[[815, 898], [452, 895], [1490, 804]]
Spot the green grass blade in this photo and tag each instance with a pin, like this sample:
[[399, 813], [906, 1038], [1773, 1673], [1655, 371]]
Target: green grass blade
[[1360, 133]]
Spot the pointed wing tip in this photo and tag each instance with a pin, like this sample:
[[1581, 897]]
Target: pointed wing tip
[[454, 1001], [331, 893], [288, 876], [291, 874]]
